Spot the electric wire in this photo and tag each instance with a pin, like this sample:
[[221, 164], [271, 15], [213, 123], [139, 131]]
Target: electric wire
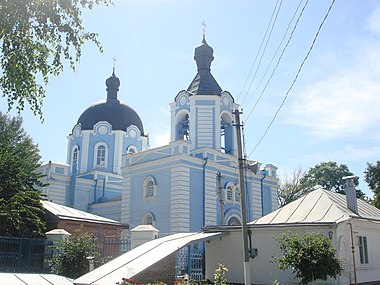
[[295, 78], [278, 61], [258, 52], [262, 54], [277, 50]]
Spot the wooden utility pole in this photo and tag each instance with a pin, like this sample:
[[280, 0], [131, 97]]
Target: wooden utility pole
[[220, 193], [247, 272]]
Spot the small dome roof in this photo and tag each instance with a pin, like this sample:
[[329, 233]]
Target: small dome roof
[[119, 115]]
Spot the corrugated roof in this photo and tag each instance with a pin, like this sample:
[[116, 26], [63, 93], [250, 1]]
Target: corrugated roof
[[67, 213], [33, 279], [320, 206], [140, 258]]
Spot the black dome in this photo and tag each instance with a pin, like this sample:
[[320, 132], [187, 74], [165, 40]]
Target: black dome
[[119, 115]]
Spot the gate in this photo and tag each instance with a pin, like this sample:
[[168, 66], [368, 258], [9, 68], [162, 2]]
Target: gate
[[24, 254], [190, 260]]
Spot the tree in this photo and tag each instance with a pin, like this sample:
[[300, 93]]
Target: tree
[[290, 189], [372, 177], [328, 175], [71, 257], [21, 211], [35, 38], [311, 256]]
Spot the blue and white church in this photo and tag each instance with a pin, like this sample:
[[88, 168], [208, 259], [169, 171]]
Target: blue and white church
[[190, 183]]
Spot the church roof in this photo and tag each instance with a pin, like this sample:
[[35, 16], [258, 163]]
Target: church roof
[[318, 207], [204, 83], [119, 115]]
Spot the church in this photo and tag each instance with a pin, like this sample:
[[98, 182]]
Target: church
[[181, 187]]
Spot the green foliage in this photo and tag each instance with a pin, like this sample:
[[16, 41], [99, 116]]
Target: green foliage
[[372, 177], [35, 37], [71, 255], [220, 275], [328, 175], [311, 256], [21, 211]]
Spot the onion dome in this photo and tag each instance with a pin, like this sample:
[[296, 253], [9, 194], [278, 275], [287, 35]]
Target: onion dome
[[204, 83], [119, 115]]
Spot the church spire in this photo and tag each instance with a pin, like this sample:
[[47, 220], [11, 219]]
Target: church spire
[[113, 84]]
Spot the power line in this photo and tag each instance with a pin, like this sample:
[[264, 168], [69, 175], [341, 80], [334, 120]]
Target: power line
[[278, 61], [296, 77], [258, 52], [274, 55], [263, 52]]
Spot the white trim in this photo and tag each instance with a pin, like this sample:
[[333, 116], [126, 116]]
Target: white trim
[[96, 146]]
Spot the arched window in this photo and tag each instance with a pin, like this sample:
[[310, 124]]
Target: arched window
[[233, 221], [101, 156], [226, 130], [75, 155], [237, 194], [131, 149], [149, 187], [183, 126], [229, 192], [148, 219]]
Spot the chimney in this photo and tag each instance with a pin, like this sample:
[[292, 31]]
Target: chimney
[[352, 202]]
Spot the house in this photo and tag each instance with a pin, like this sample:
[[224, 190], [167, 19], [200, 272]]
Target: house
[[352, 226], [70, 219]]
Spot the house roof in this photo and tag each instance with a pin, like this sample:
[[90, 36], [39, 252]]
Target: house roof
[[140, 258], [318, 207], [33, 279], [67, 213]]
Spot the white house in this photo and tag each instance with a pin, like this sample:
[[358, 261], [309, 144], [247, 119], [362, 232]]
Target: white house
[[320, 211]]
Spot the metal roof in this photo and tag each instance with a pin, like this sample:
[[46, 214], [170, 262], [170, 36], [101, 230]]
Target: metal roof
[[67, 213], [33, 279], [140, 258], [318, 207]]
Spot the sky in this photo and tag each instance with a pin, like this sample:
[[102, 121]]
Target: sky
[[326, 95]]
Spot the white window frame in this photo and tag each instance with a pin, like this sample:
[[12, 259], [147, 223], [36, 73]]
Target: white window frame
[[96, 155], [237, 194], [131, 149], [229, 192], [148, 219], [150, 187], [363, 249]]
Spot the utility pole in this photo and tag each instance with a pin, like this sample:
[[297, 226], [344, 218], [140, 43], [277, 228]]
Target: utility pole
[[247, 273], [219, 177]]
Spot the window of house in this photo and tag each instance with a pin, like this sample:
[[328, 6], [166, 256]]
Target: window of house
[[237, 194], [233, 221], [363, 250], [101, 156], [148, 219], [229, 193], [149, 187], [75, 155]]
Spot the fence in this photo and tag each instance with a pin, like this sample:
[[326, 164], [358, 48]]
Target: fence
[[109, 248], [24, 254]]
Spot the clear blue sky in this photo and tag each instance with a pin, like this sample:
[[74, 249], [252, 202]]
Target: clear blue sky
[[331, 113]]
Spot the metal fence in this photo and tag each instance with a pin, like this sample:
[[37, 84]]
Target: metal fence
[[109, 248], [24, 254]]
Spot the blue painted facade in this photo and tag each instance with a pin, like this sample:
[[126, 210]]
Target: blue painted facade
[[111, 171]]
